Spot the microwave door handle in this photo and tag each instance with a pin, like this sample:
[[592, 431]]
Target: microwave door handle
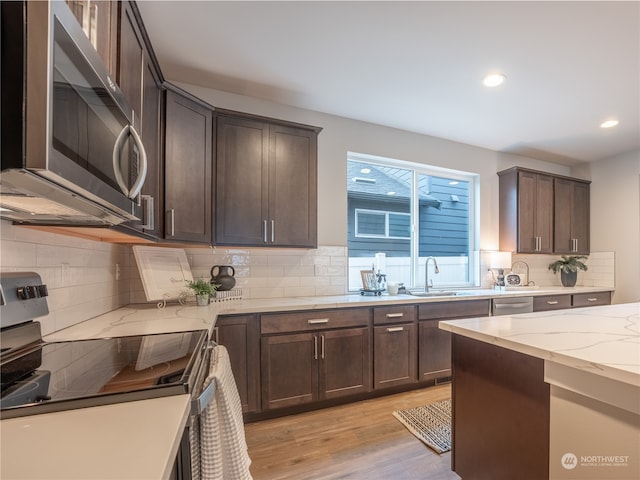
[[142, 164], [117, 153]]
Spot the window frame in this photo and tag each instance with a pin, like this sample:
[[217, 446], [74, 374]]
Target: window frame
[[386, 214], [417, 169]]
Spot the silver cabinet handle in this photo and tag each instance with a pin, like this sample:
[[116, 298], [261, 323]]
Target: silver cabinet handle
[[312, 321], [149, 209], [315, 348], [322, 347], [592, 299], [172, 222], [273, 231], [216, 334], [265, 231], [395, 315], [552, 302], [395, 329]]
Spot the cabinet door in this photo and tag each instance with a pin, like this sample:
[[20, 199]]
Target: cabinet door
[[571, 217], [152, 196], [289, 370], [130, 59], [434, 352], [240, 337], [395, 359], [345, 362], [292, 187], [535, 213], [188, 164], [241, 181]]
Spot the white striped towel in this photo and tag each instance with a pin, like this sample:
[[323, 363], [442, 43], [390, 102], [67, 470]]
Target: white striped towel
[[223, 448]]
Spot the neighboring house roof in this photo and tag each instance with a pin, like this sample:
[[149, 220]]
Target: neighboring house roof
[[381, 179]]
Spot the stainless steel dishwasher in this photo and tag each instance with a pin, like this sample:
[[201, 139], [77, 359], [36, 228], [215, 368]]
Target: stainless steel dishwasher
[[511, 306]]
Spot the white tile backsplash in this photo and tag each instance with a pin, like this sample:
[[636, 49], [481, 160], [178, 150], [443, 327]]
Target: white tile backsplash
[[80, 274]]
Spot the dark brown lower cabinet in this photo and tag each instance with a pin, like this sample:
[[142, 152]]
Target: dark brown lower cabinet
[[395, 355], [434, 360], [301, 368], [434, 345], [240, 336], [501, 412]]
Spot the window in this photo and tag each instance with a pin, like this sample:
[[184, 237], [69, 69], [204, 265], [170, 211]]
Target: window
[[377, 224], [410, 212]]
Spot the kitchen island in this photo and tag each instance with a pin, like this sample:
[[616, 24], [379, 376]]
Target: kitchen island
[[547, 395]]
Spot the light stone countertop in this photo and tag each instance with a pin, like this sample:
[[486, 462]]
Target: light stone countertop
[[147, 318], [604, 340], [140, 439]]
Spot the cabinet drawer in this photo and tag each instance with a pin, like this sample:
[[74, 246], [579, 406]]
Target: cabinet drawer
[[551, 302], [314, 320], [394, 314], [591, 299], [464, 308]]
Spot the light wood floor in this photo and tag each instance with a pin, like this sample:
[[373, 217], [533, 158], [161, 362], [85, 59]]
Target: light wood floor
[[360, 440]]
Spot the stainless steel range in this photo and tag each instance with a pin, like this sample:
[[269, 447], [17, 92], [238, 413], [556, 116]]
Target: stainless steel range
[[42, 377]]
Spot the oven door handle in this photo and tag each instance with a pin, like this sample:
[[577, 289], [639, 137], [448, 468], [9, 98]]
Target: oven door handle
[[202, 401]]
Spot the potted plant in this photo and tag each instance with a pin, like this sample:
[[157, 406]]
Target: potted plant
[[203, 289], [568, 267]]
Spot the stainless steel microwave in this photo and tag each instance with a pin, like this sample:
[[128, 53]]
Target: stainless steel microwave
[[70, 151]]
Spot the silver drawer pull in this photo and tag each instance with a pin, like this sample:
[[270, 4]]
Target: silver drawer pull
[[395, 315], [395, 329], [592, 299], [552, 302], [317, 320]]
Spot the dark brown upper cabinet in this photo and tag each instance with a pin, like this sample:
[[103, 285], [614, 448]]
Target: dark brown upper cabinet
[[266, 182], [526, 211], [543, 213], [571, 221], [139, 77], [188, 168]]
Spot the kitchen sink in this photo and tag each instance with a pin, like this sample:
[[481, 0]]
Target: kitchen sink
[[440, 293]]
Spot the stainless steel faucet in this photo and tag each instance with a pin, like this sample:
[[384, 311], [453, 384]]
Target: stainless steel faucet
[[426, 272]]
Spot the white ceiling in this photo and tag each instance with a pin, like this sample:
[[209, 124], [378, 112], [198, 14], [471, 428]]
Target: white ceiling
[[418, 66]]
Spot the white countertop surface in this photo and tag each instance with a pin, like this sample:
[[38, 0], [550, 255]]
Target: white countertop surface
[[604, 341], [123, 441], [147, 318]]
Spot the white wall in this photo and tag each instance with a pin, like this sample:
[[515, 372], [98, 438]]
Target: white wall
[[615, 219]]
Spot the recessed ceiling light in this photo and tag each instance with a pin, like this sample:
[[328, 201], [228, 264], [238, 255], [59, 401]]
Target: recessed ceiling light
[[365, 170], [494, 80], [609, 124], [391, 193], [453, 183]]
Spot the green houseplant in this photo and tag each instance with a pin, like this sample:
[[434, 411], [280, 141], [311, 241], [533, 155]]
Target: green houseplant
[[568, 267], [203, 289]]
